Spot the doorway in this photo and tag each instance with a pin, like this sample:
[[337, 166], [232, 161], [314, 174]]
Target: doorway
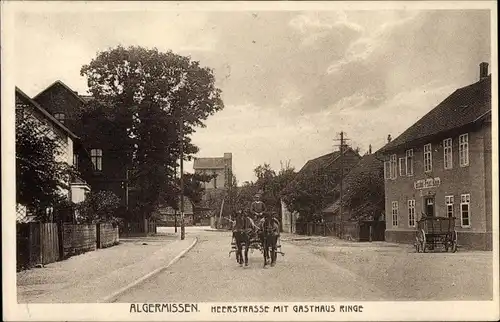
[[429, 206]]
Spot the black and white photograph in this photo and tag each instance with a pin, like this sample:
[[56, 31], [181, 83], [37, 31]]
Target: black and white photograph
[[249, 161]]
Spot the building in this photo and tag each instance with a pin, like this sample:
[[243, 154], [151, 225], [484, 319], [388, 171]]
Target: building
[[169, 217], [363, 203], [69, 143], [104, 167], [220, 168], [324, 171], [441, 166]]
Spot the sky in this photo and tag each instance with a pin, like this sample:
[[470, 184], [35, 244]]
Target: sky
[[291, 80]]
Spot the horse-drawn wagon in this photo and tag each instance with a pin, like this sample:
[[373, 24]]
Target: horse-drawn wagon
[[255, 244], [433, 231]]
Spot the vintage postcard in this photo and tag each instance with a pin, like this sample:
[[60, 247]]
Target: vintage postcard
[[250, 161]]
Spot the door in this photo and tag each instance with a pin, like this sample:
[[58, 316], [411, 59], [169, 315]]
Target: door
[[429, 206]]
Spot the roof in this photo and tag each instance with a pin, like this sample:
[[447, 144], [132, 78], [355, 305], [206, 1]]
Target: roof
[[332, 208], [66, 87], [464, 106], [46, 113], [86, 98], [209, 163], [322, 162]]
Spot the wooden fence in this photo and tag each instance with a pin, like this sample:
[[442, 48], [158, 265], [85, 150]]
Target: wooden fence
[[78, 239], [349, 230], [139, 228], [43, 243], [107, 235], [37, 243]]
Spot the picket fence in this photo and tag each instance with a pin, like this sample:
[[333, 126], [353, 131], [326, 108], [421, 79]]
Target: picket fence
[[44, 243]]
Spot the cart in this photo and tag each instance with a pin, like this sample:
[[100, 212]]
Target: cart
[[434, 231]]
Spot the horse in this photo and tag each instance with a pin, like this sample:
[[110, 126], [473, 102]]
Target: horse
[[241, 232], [270, 232]]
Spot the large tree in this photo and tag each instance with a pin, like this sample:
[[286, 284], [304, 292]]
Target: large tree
[[148, 93], [41, 178]]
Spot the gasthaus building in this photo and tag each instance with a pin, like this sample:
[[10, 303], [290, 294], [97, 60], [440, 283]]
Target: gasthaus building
[[441, 166]]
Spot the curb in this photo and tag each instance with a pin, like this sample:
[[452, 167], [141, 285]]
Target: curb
[[113, 297]]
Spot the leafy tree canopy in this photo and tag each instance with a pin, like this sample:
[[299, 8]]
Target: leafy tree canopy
[[146, 93]]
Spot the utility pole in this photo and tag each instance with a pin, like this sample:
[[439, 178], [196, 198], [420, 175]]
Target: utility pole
[[126, 188], [342, 144], [181, 147], [175, 208]]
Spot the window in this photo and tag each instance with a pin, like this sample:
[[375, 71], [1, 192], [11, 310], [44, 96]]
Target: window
[[411, 213], [465, 210], [427, 158], [96, 157], [394, 166], [448, 155], [215, 180], [449, 205], [394, 214], [409, 162], [463, 149], [75, 161], [402, 167], [60, 117], [387, 170]]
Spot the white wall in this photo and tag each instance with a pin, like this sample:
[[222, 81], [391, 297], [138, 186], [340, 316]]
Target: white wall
[[78, 193]]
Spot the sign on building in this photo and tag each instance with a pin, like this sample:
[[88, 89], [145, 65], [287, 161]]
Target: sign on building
[[427, 183]]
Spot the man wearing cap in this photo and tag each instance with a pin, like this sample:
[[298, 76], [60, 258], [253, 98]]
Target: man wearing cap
[[257, 208]]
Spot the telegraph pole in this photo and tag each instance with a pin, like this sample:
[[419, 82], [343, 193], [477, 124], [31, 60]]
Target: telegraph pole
[[342, 144], [177, 203], [181, 147]]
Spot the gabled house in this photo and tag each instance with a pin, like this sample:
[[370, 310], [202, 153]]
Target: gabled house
[[103, 166], [316, 180], [441, 166], [363, 203], [68, 142]]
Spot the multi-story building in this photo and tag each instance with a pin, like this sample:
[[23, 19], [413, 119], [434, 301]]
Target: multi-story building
[[441, 166], [220, 168], [103, 166], [68, 143]]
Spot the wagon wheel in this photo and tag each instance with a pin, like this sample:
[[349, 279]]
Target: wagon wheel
[[454, 241]]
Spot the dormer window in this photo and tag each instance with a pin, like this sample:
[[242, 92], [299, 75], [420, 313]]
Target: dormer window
[[60, 117]]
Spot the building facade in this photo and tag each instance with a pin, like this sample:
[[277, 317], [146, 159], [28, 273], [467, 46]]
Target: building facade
[[441, 166], [67, 141], [220, 168], [101, 165]]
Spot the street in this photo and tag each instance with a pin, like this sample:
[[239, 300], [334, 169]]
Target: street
[[315, 270]]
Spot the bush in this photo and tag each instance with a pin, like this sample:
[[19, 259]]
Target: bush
[[99, 206]]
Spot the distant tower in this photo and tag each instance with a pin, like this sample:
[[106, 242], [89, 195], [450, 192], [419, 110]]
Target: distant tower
[[370, 149]]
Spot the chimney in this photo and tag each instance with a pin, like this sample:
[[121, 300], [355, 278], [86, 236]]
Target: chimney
[[389, 138], [483, 70], [370, 149]]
